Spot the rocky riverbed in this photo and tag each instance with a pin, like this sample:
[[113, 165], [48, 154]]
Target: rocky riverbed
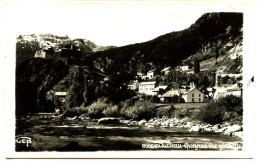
[[164, 122], [192, 126]]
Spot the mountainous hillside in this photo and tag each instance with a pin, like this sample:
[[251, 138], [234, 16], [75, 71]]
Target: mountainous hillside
[[34, 78], [172, 48], [214, 41]]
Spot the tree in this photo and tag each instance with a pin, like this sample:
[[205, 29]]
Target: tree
[[196, 66], [79, 76], [216, 52], [75, 95], [224, 80], [155, 99], [118, 76], [177, 99], [89, 93], [203, 82]]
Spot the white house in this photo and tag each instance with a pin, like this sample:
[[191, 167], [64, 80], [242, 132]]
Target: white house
[[184, 67], [151, 74], [211, 91], [61, 96], [194, 95], [147, 87], [228, 89]]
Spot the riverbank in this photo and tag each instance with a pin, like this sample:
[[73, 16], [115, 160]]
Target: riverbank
[[225, 128], [191, 126]]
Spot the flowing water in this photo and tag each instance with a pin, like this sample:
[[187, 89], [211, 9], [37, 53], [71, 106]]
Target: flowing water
[[51, 135]]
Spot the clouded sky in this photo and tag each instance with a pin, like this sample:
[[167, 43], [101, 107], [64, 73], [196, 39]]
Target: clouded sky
[[103, 23]]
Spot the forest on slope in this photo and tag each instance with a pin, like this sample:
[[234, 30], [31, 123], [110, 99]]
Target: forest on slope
[[170, 49]]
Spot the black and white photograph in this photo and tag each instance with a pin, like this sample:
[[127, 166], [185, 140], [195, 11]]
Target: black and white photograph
[[129, 77]]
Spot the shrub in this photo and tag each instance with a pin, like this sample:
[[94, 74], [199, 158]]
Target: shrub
[[102, 108], [95, 110], [232, 103], [140, 110], [125, 111], [182, 113], [228, 109], [155, 99], [177, 99], [212, 113], [111, 111], [164, 111]]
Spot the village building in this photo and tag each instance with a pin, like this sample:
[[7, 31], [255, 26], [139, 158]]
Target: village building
[[177, 68], [50, 53], [47, 53], [151, 74], [166, 70], [66, 55], [211, 92], [194, 95], [222, 90], [147, 88], [160, 90], [168, 96], [133, 85], [62, 98], [228, 89], [184, 68], [188, 93], [141, 75], [61, 95]]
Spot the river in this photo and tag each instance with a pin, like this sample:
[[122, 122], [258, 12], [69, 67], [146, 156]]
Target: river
[[58, 135]]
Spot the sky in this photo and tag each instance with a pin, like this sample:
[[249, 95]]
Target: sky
[[105, 24]]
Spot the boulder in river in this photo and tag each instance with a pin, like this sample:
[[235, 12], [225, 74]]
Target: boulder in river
[[150, 126], [109, 120], [125, 121], [142, 122], [195, 128], [208, 129], [220, 130], [165, 123], [188, 125], [238, 134], [231, 129]]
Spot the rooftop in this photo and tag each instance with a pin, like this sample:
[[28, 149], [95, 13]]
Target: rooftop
[[191, 91], [60, 93], [171, 93], [159, 87], [151, 71], [149, 83], [165, 69]]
